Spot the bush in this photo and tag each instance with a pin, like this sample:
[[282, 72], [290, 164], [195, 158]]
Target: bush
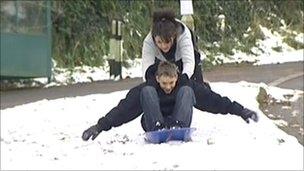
[[293, 43], [81, 29]]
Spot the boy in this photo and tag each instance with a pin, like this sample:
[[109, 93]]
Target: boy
[[167, 105]]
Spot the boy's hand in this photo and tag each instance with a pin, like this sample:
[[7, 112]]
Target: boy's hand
[[249, 114], [93, 132]]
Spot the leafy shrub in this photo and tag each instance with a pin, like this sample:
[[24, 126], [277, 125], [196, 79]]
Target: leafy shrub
[[82, 29]]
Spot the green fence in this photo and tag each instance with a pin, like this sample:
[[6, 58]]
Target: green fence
[[25, 39]]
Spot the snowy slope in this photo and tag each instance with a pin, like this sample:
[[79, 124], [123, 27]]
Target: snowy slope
[[47, 135]]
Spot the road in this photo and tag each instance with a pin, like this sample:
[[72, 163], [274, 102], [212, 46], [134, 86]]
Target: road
[[256, 74], [287, 75], [265, 73]]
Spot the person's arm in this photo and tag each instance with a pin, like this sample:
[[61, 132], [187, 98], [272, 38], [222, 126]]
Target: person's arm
[[187, 53], [207, 100], [148, 55], [127, 109]]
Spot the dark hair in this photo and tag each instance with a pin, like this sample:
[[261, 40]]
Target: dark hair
[[164, 24], [167, 69]]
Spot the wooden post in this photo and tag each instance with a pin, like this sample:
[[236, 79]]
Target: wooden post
[[186, 8], [115, 55]]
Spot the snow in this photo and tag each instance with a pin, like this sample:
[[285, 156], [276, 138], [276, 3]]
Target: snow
[[84, 74], [46, 135], [265, 54]]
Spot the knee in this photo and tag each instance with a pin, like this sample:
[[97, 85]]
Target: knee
[[148, 90], [186, 90]]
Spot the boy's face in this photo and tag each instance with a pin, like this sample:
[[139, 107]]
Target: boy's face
[[166, 83]]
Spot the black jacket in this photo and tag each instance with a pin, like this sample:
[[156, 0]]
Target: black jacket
[[129, 108], [167, 101]]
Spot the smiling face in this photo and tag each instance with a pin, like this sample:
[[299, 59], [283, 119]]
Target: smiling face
[[163, 45], [167, 83]]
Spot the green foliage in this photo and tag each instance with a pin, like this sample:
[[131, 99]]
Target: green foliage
[[81, 29], [293, 43], [249, 41], [227, 46], [277, 48], [136, 28], [79, 33]]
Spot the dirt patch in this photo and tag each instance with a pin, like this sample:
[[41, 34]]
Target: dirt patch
[[287, 115]]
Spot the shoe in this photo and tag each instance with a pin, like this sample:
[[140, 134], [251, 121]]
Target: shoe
[[176, 125], [159, 126]]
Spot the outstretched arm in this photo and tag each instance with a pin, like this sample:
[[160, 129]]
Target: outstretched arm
[[127, 109], [207, 100]]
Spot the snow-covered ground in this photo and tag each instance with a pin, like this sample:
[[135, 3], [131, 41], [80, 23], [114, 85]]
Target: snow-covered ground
[[265, 53], [46, 135]]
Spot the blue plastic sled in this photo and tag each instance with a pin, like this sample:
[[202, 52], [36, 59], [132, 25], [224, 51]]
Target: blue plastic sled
[[156, 137]]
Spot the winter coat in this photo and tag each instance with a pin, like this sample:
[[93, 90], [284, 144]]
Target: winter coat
[[184, 51]]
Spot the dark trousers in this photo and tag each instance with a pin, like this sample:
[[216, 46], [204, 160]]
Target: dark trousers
[[153, 118]]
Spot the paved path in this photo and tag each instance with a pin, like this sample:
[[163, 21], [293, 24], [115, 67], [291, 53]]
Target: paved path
[[278, 75], [265, 73]]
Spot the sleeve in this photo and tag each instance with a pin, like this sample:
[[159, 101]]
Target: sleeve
[[150, 72], [187, 54], [209, 101], [148, 56], [127, 109]]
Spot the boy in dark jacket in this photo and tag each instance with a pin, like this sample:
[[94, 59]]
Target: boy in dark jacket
[[169, 104]]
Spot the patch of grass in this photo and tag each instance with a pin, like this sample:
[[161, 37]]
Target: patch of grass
[[227, 46], [277, 49], [247, 43], [207, 63], [293, 43], [262, 97]]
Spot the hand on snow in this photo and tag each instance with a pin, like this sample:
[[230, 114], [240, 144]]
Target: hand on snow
[[93, 132], [249, 114]]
